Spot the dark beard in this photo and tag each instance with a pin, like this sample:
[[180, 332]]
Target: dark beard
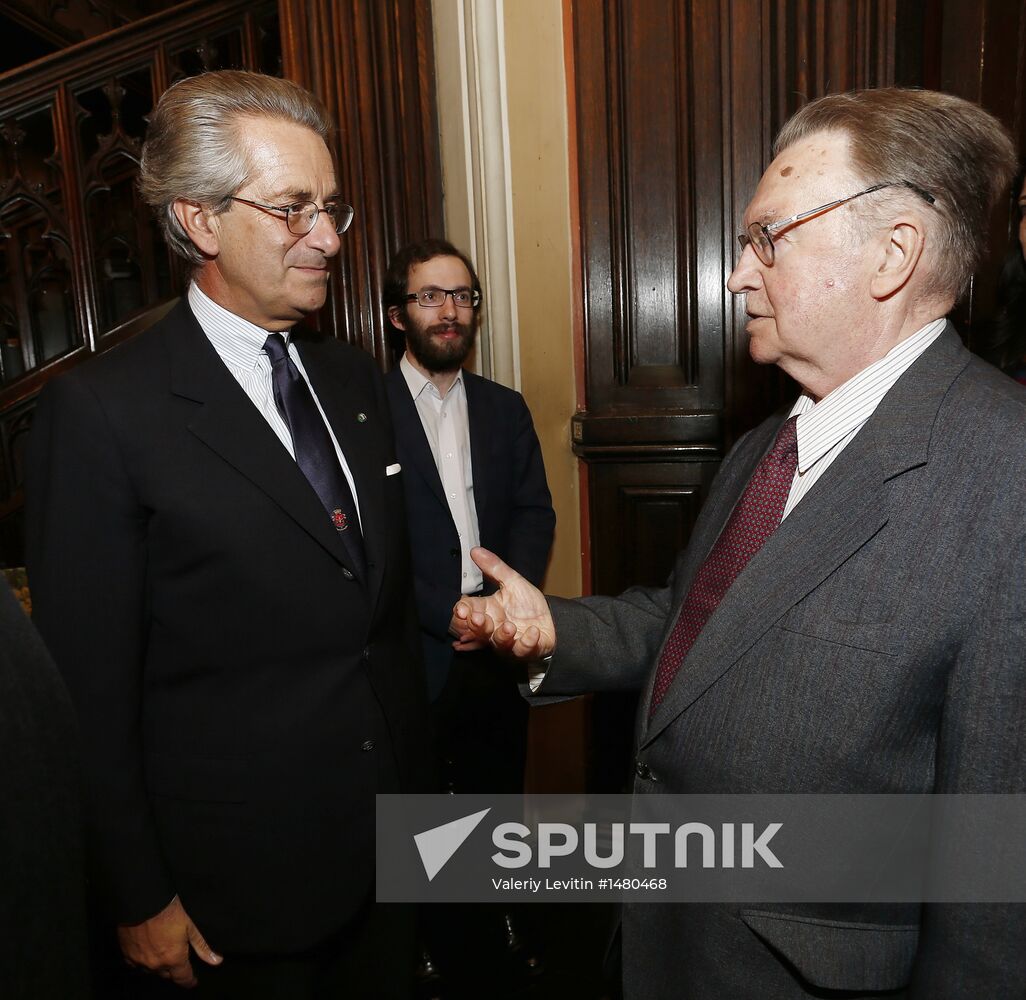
[[439, 357]]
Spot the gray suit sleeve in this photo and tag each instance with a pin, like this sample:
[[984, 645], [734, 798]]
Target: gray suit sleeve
[[606, 643]]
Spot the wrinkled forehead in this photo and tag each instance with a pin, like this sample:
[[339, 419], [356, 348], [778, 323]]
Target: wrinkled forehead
[[814, 170]]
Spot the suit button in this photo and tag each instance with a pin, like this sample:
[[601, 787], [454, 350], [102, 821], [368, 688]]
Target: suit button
[[366, 652], [347, 572], [367, 745], [642, 770], [454, 553]]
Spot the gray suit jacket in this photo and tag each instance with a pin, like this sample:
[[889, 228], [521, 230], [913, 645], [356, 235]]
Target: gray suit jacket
[[876, 643]]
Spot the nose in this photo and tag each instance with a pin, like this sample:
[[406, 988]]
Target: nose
[[747, 273], [323, 236], [447, 310]]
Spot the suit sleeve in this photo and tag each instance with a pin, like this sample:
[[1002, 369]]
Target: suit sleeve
[[532, 520], [610, 643], [87, 568], [606, 643], [973, 950]]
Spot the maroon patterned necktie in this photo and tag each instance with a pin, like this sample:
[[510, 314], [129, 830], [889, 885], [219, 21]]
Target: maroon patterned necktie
[[753, 520]]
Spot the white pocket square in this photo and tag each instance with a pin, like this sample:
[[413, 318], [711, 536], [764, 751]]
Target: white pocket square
[[392, 470]]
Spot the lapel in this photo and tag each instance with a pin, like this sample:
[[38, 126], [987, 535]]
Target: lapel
[[846, 508], [230, 425], [410, 431], [479, 419], [344, 400]]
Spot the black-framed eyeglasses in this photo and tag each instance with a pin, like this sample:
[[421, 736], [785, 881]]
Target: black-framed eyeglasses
[[759, 237], [303, 215], [432, 297]]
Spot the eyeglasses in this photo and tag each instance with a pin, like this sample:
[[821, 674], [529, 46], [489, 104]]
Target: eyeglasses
[[431, 296], [303, 215], [759, 236]]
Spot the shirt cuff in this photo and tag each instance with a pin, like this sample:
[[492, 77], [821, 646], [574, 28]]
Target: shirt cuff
[[536, 673]]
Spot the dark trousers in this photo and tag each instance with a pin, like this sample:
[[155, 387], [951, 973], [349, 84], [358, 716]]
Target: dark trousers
[[372, 958], [480, 725]]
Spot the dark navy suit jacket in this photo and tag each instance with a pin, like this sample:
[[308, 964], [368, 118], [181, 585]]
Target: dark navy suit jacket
[[243, 692]]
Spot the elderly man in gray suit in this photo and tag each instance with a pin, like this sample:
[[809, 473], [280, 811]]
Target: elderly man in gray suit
[[850, 613]]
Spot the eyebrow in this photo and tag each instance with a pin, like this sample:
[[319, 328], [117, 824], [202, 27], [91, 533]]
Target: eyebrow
[[291, 196]]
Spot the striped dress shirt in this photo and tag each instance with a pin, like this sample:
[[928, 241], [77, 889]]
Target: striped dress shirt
[[826, 428], [240, 345]]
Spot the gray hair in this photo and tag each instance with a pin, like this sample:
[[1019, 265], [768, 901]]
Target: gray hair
[[194, 145], [947, 146]]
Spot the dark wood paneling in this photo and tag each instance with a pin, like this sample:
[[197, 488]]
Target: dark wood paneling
[[654, 505], [981, 55], [676, 108], [372, 64]]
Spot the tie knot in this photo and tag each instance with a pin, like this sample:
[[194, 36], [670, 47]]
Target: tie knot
[[275, 348]]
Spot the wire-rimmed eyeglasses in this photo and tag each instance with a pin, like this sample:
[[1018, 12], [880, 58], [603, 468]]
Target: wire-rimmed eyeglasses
[[303, 215], [431, 297], [759, 237]]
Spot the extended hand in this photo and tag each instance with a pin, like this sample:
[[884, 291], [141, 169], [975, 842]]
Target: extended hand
[[515, 619], [161, 944]]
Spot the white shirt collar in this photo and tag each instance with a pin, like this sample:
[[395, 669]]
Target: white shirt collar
[[237, 340], [822, 425], [417, 381]]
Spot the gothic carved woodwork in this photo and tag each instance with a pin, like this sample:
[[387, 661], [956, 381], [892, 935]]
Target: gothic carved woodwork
[[82, 262]]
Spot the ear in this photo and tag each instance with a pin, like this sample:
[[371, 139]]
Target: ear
[[901, 253], [198, 222], [397, 317]]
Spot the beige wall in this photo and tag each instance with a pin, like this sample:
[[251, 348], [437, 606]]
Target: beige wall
[[537, 110]]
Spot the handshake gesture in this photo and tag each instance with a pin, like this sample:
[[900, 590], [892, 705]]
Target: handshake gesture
[[515, 619]]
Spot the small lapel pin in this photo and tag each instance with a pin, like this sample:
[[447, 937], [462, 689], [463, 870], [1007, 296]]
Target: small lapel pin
[[361, 417], [339, 519]]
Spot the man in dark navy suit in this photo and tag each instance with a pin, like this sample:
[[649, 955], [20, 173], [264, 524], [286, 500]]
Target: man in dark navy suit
[[220, 567], [473, 474]]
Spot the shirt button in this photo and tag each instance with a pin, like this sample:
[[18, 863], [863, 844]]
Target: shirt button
[[452, 496], [367, 745], [448, 454], [464, 576]]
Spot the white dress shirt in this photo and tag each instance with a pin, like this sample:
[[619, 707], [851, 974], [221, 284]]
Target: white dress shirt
[[447, 427], [826, 428], [240, 345]]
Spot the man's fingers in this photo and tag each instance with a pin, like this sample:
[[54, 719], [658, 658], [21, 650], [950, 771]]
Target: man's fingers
[[526, 647], [182, 975], [492, 566], [200, 946]]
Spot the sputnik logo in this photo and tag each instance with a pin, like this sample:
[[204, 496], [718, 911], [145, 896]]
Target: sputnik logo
[[440, 843]]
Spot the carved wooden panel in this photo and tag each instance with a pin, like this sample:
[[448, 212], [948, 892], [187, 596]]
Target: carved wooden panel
[[654, 506], [81, 258]]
